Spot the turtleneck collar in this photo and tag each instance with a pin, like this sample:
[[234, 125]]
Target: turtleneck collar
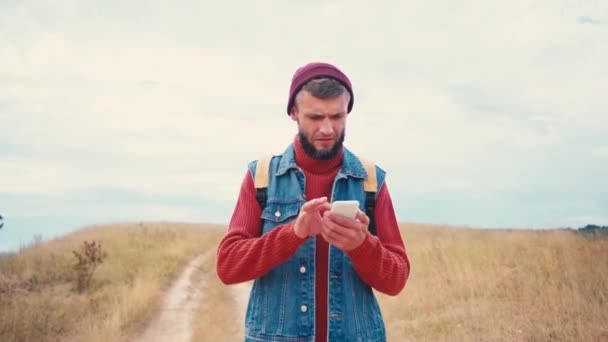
[[305, 161]]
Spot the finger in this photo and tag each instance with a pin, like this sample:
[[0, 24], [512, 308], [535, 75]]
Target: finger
[[313, 204], [362, 218], [328, 237], [334, 238], [337, 231], [339, 223], [342, 220]]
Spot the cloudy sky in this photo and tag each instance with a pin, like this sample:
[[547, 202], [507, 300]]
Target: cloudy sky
[[484, 113]]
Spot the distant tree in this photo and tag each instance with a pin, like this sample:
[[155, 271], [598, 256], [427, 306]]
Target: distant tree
[[593, 227], [593, 230]]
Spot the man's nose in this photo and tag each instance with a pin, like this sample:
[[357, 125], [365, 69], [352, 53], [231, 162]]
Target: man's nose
[[326, 127]]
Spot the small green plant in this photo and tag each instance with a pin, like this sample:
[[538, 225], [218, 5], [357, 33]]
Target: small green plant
[[87, 260]]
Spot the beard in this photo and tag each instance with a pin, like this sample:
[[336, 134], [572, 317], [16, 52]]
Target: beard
[[326, 154]]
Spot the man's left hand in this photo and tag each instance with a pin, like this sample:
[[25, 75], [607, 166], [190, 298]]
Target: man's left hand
[[343, 232]]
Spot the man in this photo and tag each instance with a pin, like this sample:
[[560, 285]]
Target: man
[[314, 270]]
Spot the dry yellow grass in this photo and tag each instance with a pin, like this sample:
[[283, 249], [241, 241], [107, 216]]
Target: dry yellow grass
[[465, 285], [501, 285], [37, 300]]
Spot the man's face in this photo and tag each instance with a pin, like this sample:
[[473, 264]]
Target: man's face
[[321, 123]]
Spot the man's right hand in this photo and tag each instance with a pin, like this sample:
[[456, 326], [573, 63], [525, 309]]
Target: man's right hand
[[310, 217]]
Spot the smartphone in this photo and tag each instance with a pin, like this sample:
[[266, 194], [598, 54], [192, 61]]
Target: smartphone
[[345, 208]]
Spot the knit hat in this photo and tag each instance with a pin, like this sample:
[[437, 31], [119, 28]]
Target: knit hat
[[313, 70]]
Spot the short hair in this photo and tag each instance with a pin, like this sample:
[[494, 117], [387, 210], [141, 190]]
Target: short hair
[[325, 88]]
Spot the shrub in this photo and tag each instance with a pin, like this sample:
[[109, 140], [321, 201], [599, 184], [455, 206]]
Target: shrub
[[87, 260]]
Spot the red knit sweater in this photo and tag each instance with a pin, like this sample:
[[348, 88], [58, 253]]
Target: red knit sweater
[[243, 254]]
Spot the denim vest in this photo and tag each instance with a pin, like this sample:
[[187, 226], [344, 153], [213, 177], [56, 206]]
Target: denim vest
[[281, 303]]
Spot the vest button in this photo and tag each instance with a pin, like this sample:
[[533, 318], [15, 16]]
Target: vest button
[[303, 308], [302, 269], [277, 213]]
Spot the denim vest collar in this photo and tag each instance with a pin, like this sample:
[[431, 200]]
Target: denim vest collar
[[351, 165]]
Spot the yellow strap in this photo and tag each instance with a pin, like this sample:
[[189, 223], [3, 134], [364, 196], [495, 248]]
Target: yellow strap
[[261, 172], [371, 183]]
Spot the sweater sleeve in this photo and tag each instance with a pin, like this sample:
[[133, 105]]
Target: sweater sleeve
[[243, 253], [381, 261]]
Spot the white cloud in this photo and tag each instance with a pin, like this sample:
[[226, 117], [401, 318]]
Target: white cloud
[[55, 178], [600, 151], [169, 99], [30, 177]]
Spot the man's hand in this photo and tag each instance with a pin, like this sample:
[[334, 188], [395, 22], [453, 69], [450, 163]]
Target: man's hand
[[343, 232], [309, 219]]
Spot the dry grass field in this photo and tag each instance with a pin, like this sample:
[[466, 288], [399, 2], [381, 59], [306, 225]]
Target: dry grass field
[[465, 285], [38, 301], [501, 285]]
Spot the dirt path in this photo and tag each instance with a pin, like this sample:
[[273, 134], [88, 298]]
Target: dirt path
[[175, 320]]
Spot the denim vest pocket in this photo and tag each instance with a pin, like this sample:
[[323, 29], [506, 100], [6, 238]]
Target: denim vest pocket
[[278, 213]]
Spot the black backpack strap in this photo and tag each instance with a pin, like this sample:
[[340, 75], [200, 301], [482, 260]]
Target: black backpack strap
[[261, 196], [261, 180], [370, 204], [370, 186]]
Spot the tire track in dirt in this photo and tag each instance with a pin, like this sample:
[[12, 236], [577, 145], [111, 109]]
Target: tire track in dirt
[[174, 322]]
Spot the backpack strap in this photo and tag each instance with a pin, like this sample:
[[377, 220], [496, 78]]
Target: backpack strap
[[370, 185], [261, 180]]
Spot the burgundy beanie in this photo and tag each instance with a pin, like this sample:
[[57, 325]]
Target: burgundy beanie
[[313, 70]]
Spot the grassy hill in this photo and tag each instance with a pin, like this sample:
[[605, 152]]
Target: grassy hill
[[38, 297], [501, 285], [466, 284]]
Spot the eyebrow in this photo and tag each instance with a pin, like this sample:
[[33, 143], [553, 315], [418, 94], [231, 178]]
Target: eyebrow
[[316, 115]]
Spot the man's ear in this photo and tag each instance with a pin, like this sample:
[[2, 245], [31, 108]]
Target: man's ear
[[293, 113]]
